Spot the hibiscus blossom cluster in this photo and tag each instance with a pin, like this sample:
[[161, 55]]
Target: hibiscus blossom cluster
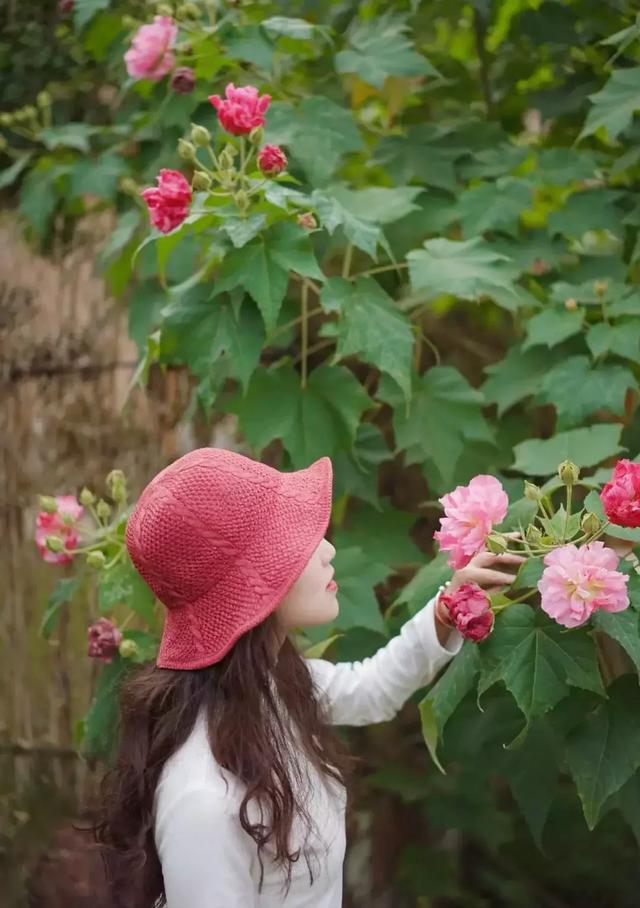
[[580, 574]]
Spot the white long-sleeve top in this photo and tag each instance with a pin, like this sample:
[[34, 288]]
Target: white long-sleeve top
[[209, 861]]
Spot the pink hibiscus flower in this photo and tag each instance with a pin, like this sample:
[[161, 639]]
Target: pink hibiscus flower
[[470, 514]]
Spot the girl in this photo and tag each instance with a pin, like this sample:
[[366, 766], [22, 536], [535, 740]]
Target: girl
[[229, 787]]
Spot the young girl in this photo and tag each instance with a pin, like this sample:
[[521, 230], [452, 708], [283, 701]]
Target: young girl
[[228, 791]]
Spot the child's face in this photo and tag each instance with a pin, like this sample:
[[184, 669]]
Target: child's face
[[311, 600]]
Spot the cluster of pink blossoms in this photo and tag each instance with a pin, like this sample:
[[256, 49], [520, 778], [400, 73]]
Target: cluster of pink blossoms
[[576, 581], [62, 523]]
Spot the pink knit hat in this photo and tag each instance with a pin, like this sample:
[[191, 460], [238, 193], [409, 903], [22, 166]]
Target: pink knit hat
[[220, 539]]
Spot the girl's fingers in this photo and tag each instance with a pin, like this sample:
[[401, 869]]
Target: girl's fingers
[[496, 577], [509, 558]]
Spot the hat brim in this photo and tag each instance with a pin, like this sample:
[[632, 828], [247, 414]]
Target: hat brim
[[194, 636]]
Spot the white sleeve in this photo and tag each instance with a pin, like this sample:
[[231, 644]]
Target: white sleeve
[[361, 693], [205, 853]]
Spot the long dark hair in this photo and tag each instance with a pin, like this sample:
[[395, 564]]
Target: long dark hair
[[158, 710]]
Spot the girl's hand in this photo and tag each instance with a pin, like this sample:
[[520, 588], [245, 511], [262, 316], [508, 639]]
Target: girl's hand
[[487, 570]]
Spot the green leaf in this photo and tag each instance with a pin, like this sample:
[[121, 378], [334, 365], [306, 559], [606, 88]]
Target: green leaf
[[494, 206], [332, 214], [384, 534], [444, 697], [9, 175], [379, 48], [537, 660], [552, 326], [424, 584], [591, 210], [518, 376], [531, 771], [467, 269], [623, 339], [593, 503], [357, 574], [623, 627], [262, 267], [98, 177], [317, 131], [63, 592], [586, 447], [604, 751], [577, 391], [299, 29], [122, 584], [38, 199], [372, 326], [99, 737], [418, 154], [320, 419], [242, 230], [380, 204], [70, 135], [615, 104], [443, 398]]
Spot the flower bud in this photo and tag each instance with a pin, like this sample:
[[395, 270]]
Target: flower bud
[[43, 99], [201, 181], [600, 287], [570, 304], [96, 559], [590, 523], [128, 648], [568, 472], [3, 144], [87, 498], [31, 112], [103, 509], [227, 155], [129, 185], [256, 135], [54, 544], [200, 135], [532, 491], [164, 9], [496, 543], [130, 22], [48, 504], [186, 150], [6, 119], [183, 80], [117, 485], [307, 220], [188, 11], [533, 535], [241, 199]]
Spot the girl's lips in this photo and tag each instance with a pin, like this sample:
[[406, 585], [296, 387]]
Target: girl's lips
[[332, 586]]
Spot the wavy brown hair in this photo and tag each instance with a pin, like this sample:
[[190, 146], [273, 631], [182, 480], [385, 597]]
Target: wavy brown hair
[[158, 709]]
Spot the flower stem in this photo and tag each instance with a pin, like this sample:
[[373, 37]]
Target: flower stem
[[394, 267], [304, 299], [568, 512], [346, 264]]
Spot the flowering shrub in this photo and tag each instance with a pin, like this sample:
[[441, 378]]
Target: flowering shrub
[[361, 249]]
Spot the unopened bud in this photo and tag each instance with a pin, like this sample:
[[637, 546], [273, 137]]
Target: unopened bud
[[103, 509], [256, 135], [307, 220], [129, 185], [3, 144], [128, 648], [201, 181], [96, 559], [590, 523], [31, 112], [533, 535], [6, 119], [241, 199], [200, 135], [117, 485], [496, 543], [163, 9], [600, 287], [188, 11], [54, 544], [43, 99], [86, 497], [570, 304], [48, 504], [532, 491], [568, 472], [130, 22], [186, 150]]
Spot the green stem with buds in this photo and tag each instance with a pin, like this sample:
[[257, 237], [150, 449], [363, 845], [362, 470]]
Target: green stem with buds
[[304, 300]]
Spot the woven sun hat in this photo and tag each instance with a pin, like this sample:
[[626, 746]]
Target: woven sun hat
[[220, 539]]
